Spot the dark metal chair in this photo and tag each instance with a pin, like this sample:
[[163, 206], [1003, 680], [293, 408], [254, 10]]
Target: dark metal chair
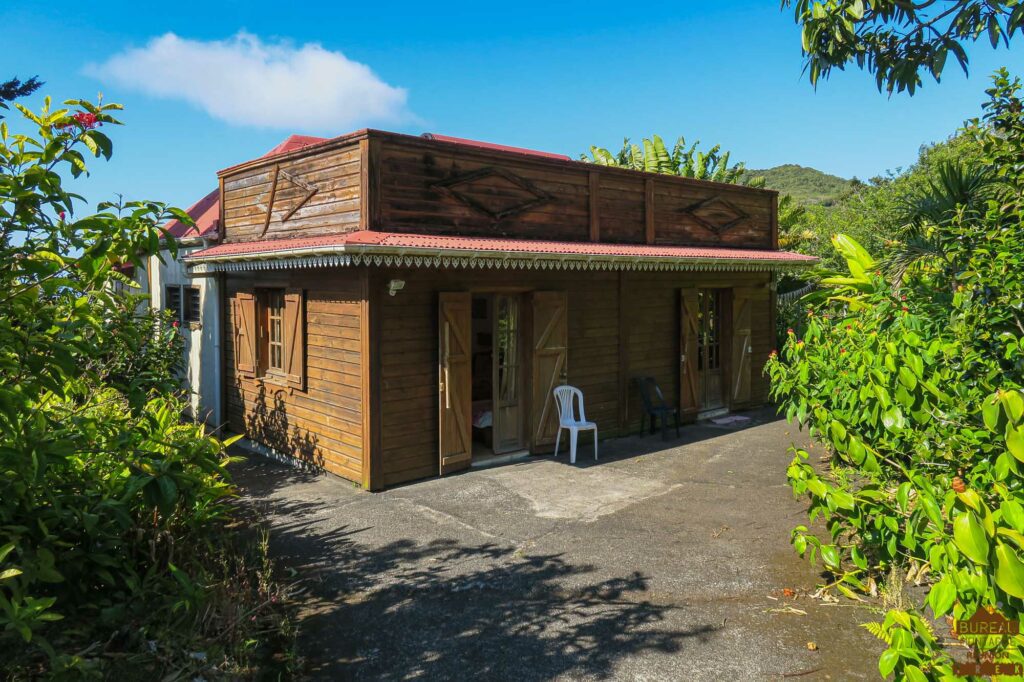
[[655, 406]]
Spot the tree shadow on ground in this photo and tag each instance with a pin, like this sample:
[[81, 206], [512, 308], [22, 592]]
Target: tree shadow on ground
[[445, 609]]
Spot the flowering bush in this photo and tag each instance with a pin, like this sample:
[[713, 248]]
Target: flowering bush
[[916, 393]]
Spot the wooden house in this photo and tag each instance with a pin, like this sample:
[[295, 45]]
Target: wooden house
[[397, 306]]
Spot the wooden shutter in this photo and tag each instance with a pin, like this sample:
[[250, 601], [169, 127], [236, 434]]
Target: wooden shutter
[[455, 381], [295, 338], [689, 381], [550, 360], [744, 303], [244, 319]]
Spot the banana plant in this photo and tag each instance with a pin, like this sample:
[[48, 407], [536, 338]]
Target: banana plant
[[684, 161]]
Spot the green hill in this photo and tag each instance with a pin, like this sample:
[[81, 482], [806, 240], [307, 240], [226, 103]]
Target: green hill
[[806, 185]]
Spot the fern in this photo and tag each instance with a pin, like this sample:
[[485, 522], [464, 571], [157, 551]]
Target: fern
[[878, 631]]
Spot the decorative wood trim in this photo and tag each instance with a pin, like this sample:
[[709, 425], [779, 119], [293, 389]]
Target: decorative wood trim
[[694, 211], [595, 205], [649, 210], [449, 187], [270, 202]]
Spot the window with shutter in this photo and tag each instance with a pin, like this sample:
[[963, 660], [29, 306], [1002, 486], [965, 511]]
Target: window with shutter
[[172, 300], [191, 303], [295, 338], [244, 325]]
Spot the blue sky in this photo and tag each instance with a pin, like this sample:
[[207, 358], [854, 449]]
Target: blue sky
[[552, 76]]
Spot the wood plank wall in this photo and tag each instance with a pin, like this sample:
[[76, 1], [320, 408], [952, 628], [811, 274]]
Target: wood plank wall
[[334, 209], [441, 188], [323, 424], [408, 349]]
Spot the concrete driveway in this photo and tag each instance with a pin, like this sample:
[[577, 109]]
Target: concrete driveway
[[663, 561]]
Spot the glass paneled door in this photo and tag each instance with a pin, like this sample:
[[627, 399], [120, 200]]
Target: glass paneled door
[[508, 381], [709, 349]]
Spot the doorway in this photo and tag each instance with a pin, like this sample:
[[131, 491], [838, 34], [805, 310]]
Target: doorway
[[711, 384], [498, 406]]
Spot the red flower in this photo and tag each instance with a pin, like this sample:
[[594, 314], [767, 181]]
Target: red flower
[[790, 331], [86, 120], [61, 214], [903, 297], [849, 327], [773, 354], [175, 324], [842, 351], [904, 308]]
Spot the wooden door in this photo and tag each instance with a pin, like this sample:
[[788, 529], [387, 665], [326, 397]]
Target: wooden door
[[549, 366], [744, 302], [709, 350], [455, 381], [689, 330], [507, 380]]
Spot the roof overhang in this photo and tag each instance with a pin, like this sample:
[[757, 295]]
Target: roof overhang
[[416, 250]]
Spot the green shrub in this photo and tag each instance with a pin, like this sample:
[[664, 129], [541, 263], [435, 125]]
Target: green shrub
[[916, 393], [114, 512]]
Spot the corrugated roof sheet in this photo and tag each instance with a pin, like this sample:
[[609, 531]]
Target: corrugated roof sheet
[[440, 244]]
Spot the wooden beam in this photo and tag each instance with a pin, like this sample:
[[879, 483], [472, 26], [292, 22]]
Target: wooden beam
[[369, 328], [595, 206], [649, 210], [773, 219], [369, 184], [623, 355], [270, 202], [221, 233]]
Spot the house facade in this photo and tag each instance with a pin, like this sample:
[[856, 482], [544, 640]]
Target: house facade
[[397, 307]]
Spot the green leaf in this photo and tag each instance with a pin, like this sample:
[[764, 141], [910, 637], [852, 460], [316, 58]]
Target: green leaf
[[10, 573], [912, 673], [1015, 442], [990, 413], [970, 537], [1013, 404], [907, 378], [892, 419], [941, 596], [830, 555], [1009, 573], [887, 662]]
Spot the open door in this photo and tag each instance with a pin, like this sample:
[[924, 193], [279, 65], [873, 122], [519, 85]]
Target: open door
[[689, 330], [744, 302], [455, 383], [550, 356]]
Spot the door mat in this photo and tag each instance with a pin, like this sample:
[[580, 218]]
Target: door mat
[[731, 420]]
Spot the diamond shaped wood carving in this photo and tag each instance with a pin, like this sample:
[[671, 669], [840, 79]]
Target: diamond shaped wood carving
[[716, 214], [493, 191]]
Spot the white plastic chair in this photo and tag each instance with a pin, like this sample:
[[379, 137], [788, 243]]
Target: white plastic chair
[[565, 396]]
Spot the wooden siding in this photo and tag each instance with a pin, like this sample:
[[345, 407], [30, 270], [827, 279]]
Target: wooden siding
[[601, 360], [443, 188], [333, 209], [323, 424]]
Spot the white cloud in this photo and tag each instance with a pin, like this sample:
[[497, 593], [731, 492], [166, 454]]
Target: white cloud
[[246, 81]]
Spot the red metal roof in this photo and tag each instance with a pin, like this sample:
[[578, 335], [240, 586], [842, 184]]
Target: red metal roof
[[204, 212], [293, 143], [370, 241], [493, 146]]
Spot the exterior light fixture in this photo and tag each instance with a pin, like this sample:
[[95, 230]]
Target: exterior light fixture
[[395, 285]]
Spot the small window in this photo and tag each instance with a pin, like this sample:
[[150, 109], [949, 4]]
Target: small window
[[192, 305], [273, 329], [172, 300]]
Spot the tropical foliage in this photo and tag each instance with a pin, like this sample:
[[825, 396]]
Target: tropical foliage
[[896, 39], [112, 509], [915, 391], [686, 161]]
